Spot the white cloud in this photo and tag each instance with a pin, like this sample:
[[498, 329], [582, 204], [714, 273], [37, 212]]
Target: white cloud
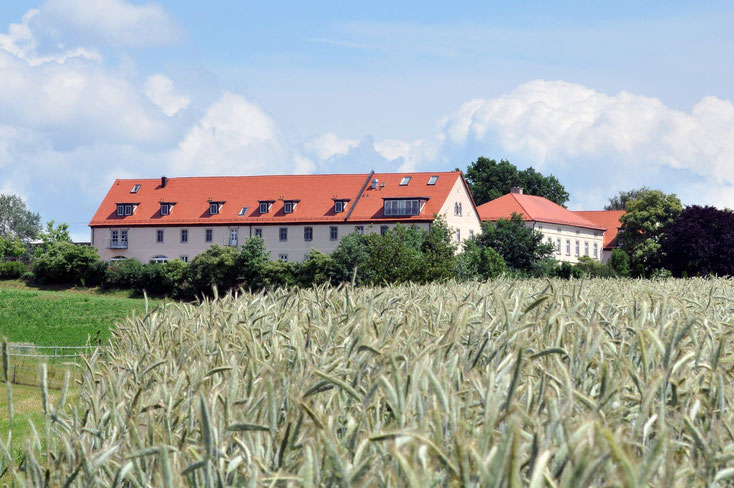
[[330, 145], [234, 137], [114, 22], [159, 90]]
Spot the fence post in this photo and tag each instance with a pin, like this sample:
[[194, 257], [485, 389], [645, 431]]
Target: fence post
[[15, 369]]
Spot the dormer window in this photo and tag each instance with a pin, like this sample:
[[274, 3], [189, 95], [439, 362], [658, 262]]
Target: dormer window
[[339, 206], [432, 180], [405, 206], [265, 206], [214, 208], [135, 189], [405, 181], [289, 206], [166, 208], [125, 209]]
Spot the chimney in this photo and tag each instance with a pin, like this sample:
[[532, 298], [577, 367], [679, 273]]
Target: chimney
[[374, 183], [164, 181], [516, 189]]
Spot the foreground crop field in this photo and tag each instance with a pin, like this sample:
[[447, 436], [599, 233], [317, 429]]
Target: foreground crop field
[[597, 383]]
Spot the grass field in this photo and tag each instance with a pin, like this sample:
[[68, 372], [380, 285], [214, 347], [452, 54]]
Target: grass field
[[61, 318], [502, 384]]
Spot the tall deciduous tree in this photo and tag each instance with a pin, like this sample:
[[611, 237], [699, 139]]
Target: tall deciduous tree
[[489, 179], [619, 201], [16, 221], [699, 243], [647, 218], [519, 245]]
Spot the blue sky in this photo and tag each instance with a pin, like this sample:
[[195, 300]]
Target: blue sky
[[604, 95]]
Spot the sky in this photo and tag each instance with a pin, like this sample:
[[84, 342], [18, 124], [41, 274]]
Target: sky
[[606, 96]]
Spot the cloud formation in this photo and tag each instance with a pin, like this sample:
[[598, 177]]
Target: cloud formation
[[159, 90]]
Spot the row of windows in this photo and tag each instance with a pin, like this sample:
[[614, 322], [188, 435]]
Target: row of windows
[[120, 236], [577, 248], [126, 209]]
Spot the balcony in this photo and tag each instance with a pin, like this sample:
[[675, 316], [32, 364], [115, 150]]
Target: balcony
[[116, 244], [231, 242]]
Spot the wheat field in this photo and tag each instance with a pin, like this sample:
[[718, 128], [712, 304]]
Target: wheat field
[[500, 384]]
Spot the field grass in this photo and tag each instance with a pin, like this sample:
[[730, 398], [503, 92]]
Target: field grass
[[60, 317], [503, 384]]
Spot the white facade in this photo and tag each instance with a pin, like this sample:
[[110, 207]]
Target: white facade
[[571, 242]]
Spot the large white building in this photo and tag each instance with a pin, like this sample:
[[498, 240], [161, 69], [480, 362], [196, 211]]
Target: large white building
[[571, 235], [177, 218]]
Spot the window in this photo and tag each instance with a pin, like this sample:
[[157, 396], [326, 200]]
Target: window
[[432, 180], [184, 235], [471, 234], [115, 235], [264, 207], [578, 248], [233, 237], [208, 235], [288, 207], [558, 245], [402, 207], [568, 247], [159, 235], [243, 211], [458, 235], [213, 208], [308, 233], [586, 248], [185, 259], [159, 259], [333, 233], [165, 208], [123, 238], [120, 210], [596, 250], [550, 241], [359, 229], [457, 209], [339, 206], [283, 234], [283, 257], [258, 233], [124, 209], [405, 181], [135, 189], [383, 230]]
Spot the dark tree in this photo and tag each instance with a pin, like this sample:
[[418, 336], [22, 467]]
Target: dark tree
[[16, 221], [619, 201], [519, 245], [699, 243], [489, 179]]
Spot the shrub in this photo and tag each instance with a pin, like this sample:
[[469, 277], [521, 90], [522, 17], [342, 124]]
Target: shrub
[[215, 267], [67, 263], [11, 270], [479, 262], [165, 278], [315, 270], [591, 268], [124, 274], [620, 263]]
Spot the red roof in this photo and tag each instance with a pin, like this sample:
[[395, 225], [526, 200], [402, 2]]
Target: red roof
[[532, 208], [607, 218], [314, 196]]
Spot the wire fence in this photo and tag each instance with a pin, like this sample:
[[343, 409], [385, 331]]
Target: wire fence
[[26, 359]]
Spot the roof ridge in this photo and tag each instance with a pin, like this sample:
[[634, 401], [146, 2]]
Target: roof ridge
[[514, 195]]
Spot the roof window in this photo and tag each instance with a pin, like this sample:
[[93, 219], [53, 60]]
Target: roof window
[[135, 189], [405, 181], [432, 180], [243, 211]]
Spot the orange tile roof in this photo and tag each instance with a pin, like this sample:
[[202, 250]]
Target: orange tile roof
[[607, 218], [532, 208], [315, 195]]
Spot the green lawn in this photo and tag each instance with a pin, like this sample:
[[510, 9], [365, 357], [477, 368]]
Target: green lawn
[[61, 318]]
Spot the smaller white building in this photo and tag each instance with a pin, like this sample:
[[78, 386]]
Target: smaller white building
[[571, 235]]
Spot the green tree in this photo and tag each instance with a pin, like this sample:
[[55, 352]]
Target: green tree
[[619, 201], [644, 224], [66, 263], [395, 257], [11, 248], [439, 252], [489, 179], [16, 221], [213, 267], [620, 263], [519, 245], [479, 262], [349, 259], [251, 262]]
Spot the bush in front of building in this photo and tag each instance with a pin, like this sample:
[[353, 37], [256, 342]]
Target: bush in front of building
[[166, 279], [69, 264], [11, 270], [124, 274]]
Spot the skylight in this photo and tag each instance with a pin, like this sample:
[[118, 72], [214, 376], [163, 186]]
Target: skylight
[[405, 181], [432, 180], [135, 189], [243, 211]]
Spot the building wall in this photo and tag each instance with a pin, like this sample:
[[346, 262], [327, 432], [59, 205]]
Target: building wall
[[468, 222], [571, 235], [142, 243]]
